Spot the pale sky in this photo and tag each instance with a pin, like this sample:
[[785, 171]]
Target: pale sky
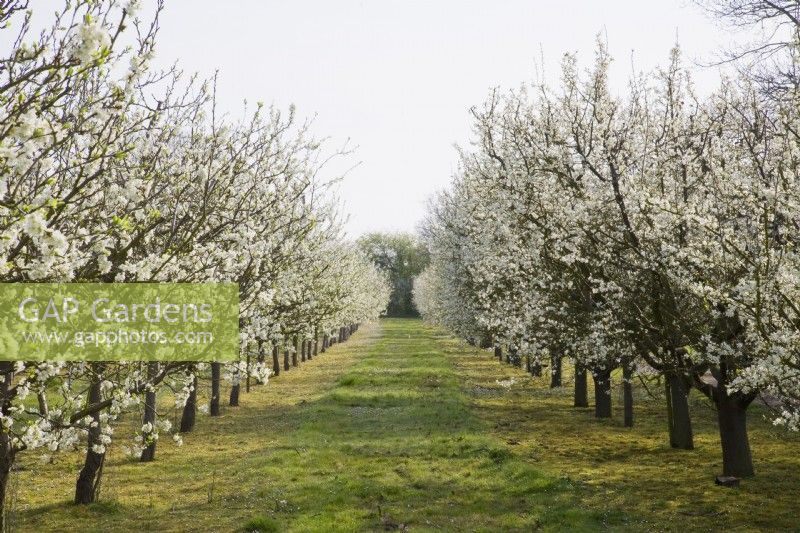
[[397, 77]]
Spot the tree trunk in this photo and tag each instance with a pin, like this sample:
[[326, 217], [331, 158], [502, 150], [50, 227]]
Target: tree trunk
[[7, 451], [680, 424], [276, 363], [486, 341], [324, 343], [498, 352], [87, 488], [581, 394], [536, 369], [247, 378], [602, 393], [670, 418], [307, 345], [7, 456], [233, 400], [736, 457], [303, 351], [294, 352], [286, 358], [43, 407], [149, 453], [190, 410], [555, 371], [513, 357], [316, 343], [216, 369], [627, 387]]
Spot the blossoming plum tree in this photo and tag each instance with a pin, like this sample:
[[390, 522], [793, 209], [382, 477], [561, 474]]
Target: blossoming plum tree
[[654, 230], [112, 172]]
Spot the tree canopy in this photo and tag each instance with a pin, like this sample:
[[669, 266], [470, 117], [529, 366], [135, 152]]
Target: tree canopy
[[402, 257]]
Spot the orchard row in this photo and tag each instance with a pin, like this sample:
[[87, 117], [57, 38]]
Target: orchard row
[[113, 171], [655, 231]]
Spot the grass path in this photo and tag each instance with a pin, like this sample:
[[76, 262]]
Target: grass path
[[405, 427], [374, 435]]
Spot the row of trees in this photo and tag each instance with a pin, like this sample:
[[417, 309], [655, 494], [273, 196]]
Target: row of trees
[[655, 231], [112, 171]]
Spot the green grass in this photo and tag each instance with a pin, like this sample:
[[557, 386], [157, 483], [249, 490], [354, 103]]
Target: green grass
[[405, 427], [262, 524], [632, 474]]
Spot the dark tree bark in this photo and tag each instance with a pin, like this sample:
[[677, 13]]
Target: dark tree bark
[[216, 369], [581, 389], [7, 450], [303, 351], [316, 343], [680, 424], [276, 364], [43, 407], [627, 386], [294, 352], [514, 357], [498, 352], [555, 371], [149, 453], [247, 377], [324, 343], [536, 369], [189, 415], [233, 400], [737, 460], [602, 393], [6, 462], [286, 358], [87, 488], [736, 457], [486, 341]]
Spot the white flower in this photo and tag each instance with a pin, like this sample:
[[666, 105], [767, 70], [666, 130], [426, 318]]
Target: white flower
[[133, 7], [90, 40]]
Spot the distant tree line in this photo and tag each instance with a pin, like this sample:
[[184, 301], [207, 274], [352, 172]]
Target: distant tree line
[[402, 257]]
